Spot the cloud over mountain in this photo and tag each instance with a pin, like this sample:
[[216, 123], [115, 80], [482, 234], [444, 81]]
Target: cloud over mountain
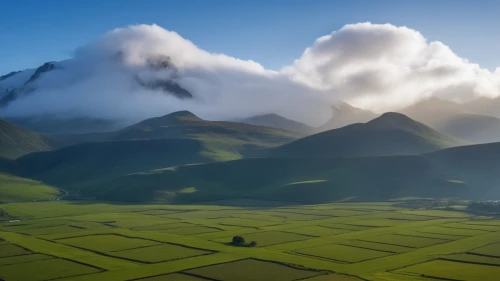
[[144, 70], [383, 67]]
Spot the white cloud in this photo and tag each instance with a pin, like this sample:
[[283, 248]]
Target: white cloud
[[378, 67], [383, 67]]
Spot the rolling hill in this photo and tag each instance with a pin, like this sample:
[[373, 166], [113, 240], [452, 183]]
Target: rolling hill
[[451, 118], [16, 141], [389, 134], [175, 139], [280, 122], [470, 172], [293, 180]]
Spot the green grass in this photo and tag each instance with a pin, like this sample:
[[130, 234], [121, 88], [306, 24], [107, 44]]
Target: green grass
[[106, 243], [44, 270], [488, 250], [474, 259], [333, 277], [316, 230], [192, 230], [250, 269], [16, 189], [377, 246], [172, 277], [452, 231], [405, 241], [50, 230], [23, 259], [453, 270], [341, 253], [165, 226], [160, 253], [8, 250]]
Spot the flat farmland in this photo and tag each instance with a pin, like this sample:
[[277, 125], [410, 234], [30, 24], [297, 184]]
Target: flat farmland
[[106, 243], [251, 269], [346, 242], [164, 252], [342, 253]]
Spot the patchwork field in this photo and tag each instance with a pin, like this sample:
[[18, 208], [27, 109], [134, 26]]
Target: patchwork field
[[329, 242]]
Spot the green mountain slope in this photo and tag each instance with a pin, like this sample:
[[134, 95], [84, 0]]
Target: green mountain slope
[[17, 189], [294, 180], [389, 134], [16, 141], [183, 124], [280, 122], [76, 166]]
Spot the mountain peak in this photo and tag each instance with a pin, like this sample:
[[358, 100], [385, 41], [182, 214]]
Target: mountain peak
[[395, 120]]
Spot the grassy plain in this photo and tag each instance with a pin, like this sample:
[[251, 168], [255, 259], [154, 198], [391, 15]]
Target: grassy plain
[[339, 241]]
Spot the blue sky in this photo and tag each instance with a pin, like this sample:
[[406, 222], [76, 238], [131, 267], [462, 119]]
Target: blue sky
[[271, 32]]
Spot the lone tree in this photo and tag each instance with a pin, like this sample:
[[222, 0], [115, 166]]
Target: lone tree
[[253, 244], [238, 240]]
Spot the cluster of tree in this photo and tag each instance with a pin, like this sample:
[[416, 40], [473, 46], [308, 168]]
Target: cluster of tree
[[485, 206], [240, 241]]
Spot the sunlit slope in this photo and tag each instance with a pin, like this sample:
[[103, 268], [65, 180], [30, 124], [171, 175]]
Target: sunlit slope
[[183, 124], [389, 134], [17, 189], [75, 166], [297, 180], [16, 141]]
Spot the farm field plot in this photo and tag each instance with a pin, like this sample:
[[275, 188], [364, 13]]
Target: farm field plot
[[342, 253], [38, 270], [314, 230], [431, 235], [346, 226], [474, 259], [164, 226], [201, 214], [106, 243], [23, 259], [252, 269], [158, 212], [376, 246], [191, 230], [294, 216], [268, 238], [472, 226], [164, 252], [452, 231], [405, 241], [334, 277], [242, 222], [172, 277], [488, 250], [449, 270], [89, 225], [375, 222], [50, 230], [8, 250]]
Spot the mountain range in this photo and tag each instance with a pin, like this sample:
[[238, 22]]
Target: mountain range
[[180, 157]]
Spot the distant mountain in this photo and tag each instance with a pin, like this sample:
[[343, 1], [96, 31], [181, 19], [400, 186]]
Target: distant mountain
[[51, 124], [344, 114], [389, 134], [277, 121], [21, 83], [450, 118], [16, 141], [174, 139], [183, 124], [483, 106]]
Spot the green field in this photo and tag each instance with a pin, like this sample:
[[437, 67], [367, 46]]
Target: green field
[[376, 241], [17, 189]]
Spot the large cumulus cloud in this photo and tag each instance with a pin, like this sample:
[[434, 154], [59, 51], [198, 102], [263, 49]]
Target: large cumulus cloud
[[383, 67], [377, 67]]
